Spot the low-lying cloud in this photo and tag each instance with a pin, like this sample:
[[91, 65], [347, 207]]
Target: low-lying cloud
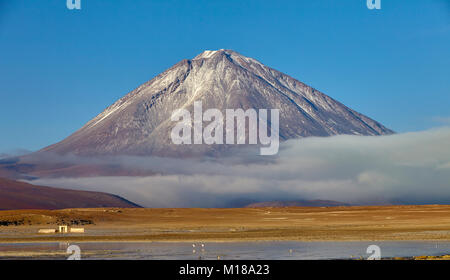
[[14, 153], [403, 168]]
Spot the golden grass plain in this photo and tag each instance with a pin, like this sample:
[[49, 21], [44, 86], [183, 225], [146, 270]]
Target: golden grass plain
[[354, 223]]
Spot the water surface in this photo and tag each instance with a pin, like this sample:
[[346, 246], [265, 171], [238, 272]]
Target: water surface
[[226, 250]]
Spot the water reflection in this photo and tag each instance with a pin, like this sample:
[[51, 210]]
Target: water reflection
[[222, 250]]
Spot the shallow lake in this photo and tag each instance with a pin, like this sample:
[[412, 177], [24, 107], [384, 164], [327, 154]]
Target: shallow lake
[[226, 250]]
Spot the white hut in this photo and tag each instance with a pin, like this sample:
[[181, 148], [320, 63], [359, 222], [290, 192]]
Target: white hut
[[77, 230], [62, 229], [47, 230]]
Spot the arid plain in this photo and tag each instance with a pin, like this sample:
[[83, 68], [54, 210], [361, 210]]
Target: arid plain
[[355, 223]]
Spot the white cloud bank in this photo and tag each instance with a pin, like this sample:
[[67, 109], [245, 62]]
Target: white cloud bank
[[402, 168]]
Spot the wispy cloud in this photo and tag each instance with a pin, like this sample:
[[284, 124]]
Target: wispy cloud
[[442, 120], [401, 168]]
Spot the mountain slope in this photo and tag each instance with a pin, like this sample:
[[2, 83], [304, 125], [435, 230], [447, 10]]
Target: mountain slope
[[139, 123], [19, 195]]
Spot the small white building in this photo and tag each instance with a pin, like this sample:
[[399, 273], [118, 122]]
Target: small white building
[[77, 230], [47, 230], [62, 229]]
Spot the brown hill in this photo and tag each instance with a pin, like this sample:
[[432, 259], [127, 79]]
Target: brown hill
[[19, 195]]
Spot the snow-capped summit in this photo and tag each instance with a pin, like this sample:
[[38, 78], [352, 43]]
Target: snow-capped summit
[[139, 123], [207, 54]]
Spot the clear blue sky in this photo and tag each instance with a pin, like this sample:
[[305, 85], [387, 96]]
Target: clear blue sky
[[59, 68]]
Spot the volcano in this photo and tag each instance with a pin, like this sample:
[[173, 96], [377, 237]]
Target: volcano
[[140, 122]]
